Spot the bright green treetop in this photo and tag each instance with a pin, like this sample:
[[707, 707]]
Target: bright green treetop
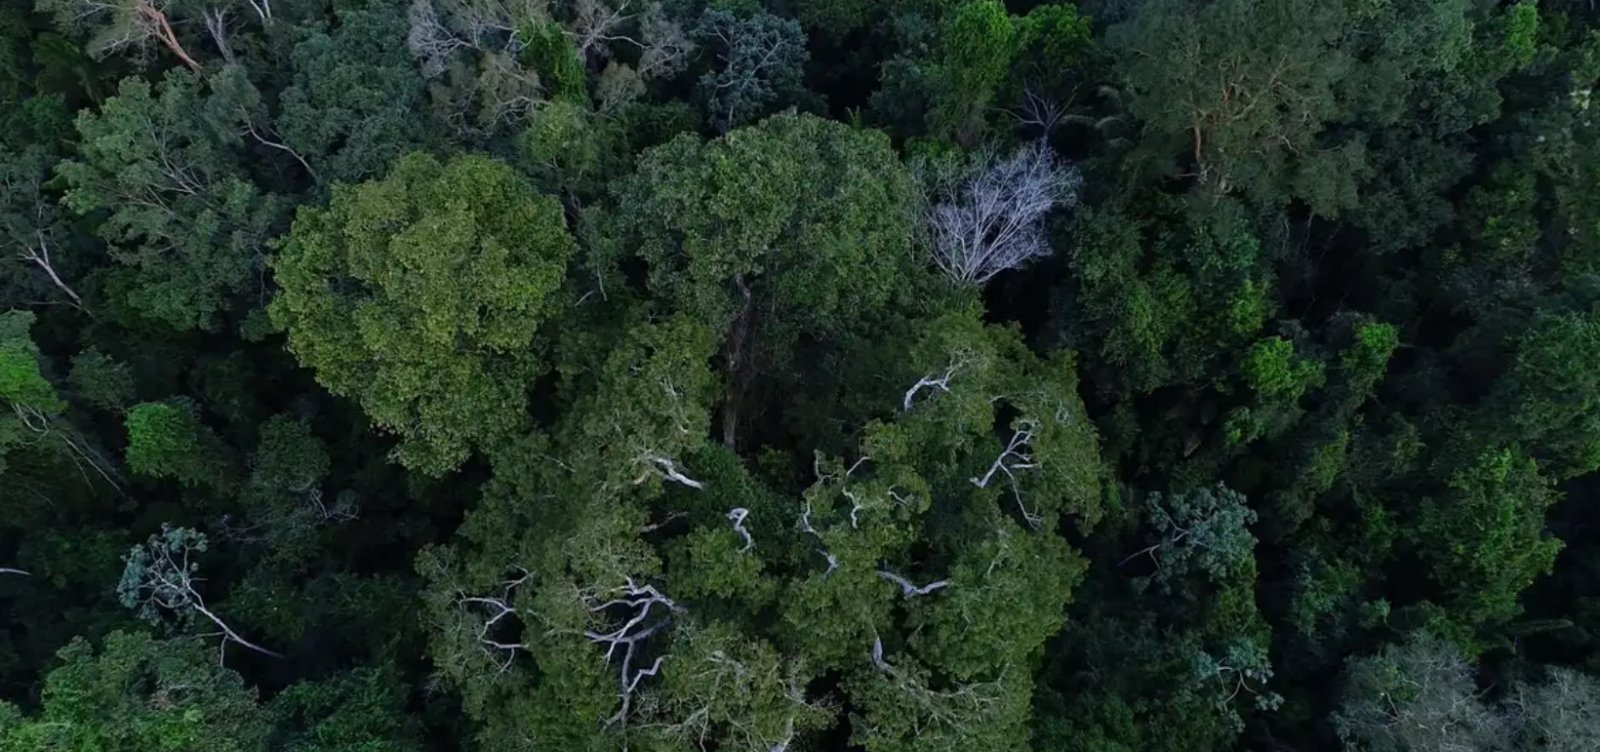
[[421, 295]]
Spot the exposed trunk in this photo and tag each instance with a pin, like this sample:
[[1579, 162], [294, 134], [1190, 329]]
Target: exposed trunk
[[168, 37], [228, 632], [41, 257], [736, 367]]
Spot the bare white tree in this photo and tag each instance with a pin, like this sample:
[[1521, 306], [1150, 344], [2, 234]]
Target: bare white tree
[[990, 217], [663, 44], [9, 570], [490, 87], [1560, 715], [1416, 696], [430, 40]]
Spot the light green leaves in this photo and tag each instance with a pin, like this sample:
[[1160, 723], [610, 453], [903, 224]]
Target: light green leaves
[[421, 296]]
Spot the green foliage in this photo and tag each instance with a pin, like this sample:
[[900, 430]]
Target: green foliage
[[138, 693], [1205, 530], [165, 165], [571, 150], [360, 711], [167, 440], [1139, 288], [1272, 370], [1484, 542], [21, 383], [762, 59], [352, 106], [101, 380], [549, 51], [731, 464], [420, 295], [1246, 89], [794, 209]]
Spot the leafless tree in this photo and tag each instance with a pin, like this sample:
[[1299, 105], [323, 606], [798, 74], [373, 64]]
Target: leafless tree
[[430, 40], [990, 217], [666, 44], [1416, 696], [1041, 111], [490, 87], [663, 44], [1562, 714], [9, 570]]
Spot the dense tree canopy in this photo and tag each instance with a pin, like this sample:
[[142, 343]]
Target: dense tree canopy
[[779, 375]]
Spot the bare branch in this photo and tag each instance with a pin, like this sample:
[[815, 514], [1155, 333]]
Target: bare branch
[[160, 575], [499, 607], [263, 9], [738, 515], [1040, 111], [1018, 455], [910, 590], [639, 602], [40, 257], [668, 470], [216, 20], [940, 382], [993, 220]]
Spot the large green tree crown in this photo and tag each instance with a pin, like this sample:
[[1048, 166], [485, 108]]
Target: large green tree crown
[[421, 296]]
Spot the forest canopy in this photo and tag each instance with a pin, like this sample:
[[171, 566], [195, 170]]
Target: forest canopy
[[782, 375]]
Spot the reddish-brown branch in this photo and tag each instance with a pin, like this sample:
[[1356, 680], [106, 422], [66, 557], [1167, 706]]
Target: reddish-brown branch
[[168, 37]]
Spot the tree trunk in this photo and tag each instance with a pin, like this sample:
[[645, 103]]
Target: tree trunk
[[164, 30], [735, 367]]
